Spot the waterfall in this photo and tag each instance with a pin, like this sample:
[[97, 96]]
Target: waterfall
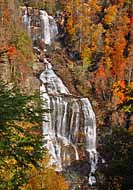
[[70, 123], [41, 27], [69, 117]]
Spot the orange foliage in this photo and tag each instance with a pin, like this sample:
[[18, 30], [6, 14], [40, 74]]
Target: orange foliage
[[101, 72], [119, 89], [122, 84], [7, 14], [94, 5], [115, 42]]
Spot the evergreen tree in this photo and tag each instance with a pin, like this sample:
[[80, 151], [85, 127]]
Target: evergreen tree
[[20, 141]]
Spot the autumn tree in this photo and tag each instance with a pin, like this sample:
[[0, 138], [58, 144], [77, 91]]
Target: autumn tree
[[114, 60], [98, 41], [46, 178]]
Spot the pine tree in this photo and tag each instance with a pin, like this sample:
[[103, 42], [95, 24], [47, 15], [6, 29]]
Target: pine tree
[[20, 139]]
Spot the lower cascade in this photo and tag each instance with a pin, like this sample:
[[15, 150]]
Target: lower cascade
[[69, 129]]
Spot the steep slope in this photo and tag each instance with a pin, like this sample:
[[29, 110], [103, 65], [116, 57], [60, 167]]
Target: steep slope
[[17, 61]]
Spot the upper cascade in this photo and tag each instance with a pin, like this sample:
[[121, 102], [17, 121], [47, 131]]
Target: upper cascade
[[40, 26]]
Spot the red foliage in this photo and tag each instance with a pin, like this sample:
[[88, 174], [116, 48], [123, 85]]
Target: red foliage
[[12, 51], [131, 20]]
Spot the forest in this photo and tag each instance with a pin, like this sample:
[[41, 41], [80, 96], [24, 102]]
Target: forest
[[93, 56]]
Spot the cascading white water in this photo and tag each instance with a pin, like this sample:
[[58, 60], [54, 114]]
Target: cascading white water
[[26, 20], [90, 132], [71, 120], [69, 117], [48, 27], [45, 27], [53, 28]]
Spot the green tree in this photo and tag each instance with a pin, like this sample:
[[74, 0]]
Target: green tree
[[20, 139]]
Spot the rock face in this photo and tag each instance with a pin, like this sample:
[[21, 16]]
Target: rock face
[[5, 69], [10, 73], [70, 130]]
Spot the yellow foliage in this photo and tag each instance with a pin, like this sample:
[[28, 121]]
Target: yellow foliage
[[119, 88], [86, 52], [111, 13], [70, 26], [94, 4], [28, 148], [131, 85], [24, 124], [129, 91], [108, 63], [46, 178], [11, 162]]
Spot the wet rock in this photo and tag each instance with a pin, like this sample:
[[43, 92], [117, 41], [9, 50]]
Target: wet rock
[[81, 167]]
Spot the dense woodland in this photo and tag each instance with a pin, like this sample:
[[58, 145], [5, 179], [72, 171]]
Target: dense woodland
[[96, 38]]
